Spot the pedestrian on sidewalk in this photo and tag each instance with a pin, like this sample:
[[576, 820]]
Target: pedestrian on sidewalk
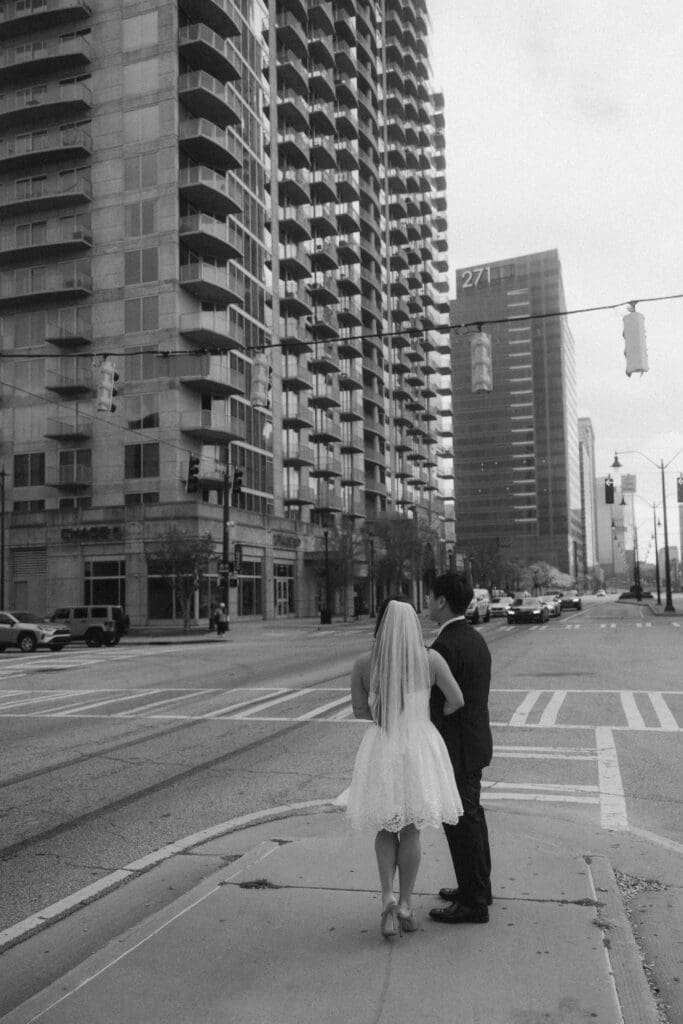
[[467, 735], [221, 619], [402, 778]]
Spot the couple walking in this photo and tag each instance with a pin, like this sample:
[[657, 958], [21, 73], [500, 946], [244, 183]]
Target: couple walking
[[420, 762]]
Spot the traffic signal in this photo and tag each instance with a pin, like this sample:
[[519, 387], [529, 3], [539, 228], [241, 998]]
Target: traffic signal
[[482, 373], [106, 390], [635, 347], [261, 373], [193, 474], [237, 483], [609, 490]]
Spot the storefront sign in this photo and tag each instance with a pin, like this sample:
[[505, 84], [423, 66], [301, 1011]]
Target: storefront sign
[[71, 533], [286, 540]]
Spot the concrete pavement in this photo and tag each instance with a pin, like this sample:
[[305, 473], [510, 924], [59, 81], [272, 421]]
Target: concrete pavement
[[287, 930]]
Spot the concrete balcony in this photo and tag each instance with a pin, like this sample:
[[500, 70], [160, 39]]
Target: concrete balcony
[[36, 283], [220, 15], [209, 375], [39, 148], [48, 194], [296, 375], [212, 329], [210, 237], [294, 146], [220, 284], [326, 466], [353, 438], [71, 378], [296, 412], [56, 243], [72, 478], [69, 427], [350, 375], [216, 193], [28, 106], [204, 48], [206, 143], [300, 496], [294, 299], [297, 455], [212, 426], [294, 186], [71, 331], [206, 96], [18, 18], [294, 223], [351, 408], [46, 57]]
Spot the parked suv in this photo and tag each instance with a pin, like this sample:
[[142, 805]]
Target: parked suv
[[571, 599], [478, 608], [97, 624], [26, 631]]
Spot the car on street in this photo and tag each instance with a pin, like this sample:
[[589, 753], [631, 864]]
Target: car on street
[[499, 607], [478, 609], [528, 609], [601, 593], [96, 624], [571, 599], [554, 603], [29, 632]]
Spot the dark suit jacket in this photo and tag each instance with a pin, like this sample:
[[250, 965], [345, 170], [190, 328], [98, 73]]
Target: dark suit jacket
[[467, 733]]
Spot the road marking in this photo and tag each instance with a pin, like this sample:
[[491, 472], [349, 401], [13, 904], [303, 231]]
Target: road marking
[[666, 719], [633, 716], [29, 701], [522, 713], [98, 704], [161, 703], [572, 626], [549, 716], [316, 712], [612, 801]]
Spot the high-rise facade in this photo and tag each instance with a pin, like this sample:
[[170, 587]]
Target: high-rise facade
[[187, 186], [589, 522], [516, 447]]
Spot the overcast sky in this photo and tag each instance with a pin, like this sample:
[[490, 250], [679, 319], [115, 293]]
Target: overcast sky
[[564, 130]]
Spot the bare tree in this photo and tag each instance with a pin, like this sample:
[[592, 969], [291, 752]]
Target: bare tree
[[178, 557], [408, 554]]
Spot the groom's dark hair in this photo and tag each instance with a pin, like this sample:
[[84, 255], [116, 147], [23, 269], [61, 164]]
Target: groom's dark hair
[[455, 589]]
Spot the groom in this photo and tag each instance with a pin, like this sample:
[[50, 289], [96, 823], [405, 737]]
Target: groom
[[467, 735]]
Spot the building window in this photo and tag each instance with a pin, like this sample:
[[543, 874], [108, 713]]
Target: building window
[[250, 589], [141, 314], [29, 506], [140, 31], [145, 366], [73, 504], [141, 77], [29, 470], [141, 460], [141, 266], [104, 582], [140, 218], [141, 125], [140, 172], [141, 498], [142, 411]]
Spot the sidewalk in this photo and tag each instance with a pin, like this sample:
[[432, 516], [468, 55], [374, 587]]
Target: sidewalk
[[287, 931], [240, 629]]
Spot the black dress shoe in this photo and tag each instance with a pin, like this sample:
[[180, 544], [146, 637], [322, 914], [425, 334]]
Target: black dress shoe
[[457, 913], [453, 896]]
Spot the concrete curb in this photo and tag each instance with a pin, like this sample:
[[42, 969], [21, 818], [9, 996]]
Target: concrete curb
[[637, 1002], [63, 908]]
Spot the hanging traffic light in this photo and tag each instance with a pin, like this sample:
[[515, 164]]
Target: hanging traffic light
[[261, 373], [237, 483], [106, 390], [193, 474], [635, 347], [609, 490], [482, 372]]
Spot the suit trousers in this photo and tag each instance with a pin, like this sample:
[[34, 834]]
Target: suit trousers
[[468, 842]]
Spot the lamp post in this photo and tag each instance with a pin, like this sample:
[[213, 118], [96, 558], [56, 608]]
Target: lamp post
[[654, 527], [325, 614], [661, 466]]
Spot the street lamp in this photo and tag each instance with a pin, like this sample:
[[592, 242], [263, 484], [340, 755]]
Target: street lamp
[[654, 527], [325, 614], [661, 466]]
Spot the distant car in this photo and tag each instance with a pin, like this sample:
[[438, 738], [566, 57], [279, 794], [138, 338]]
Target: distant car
[[554, 603], [27, 632], [499, 607], [479, 607], [571, 599], [601, 593], [528, 609]]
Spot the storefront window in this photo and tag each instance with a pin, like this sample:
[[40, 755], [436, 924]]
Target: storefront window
[[250, 589], [105, 582]]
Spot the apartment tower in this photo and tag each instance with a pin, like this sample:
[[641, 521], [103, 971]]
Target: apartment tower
[[189, 188]]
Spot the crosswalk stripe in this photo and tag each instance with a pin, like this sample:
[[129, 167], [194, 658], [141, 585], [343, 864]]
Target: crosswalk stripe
[[91, 705], [522, 713], [666, 719], [549, 716], [633, 716]]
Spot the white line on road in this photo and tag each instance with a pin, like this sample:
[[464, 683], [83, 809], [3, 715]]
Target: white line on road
[[666, 719], [612, 801], [549, 716], [161, 703], [522, 713], [97, 704], [633, 716]]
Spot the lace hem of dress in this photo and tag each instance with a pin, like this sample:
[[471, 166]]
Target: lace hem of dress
[[398, 821]]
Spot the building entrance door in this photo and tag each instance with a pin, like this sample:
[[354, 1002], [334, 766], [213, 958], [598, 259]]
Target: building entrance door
[[282, 607]]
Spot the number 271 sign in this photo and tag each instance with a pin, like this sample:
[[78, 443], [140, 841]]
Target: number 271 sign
[[475, 276]]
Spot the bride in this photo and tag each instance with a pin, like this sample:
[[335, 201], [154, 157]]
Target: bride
[[403, 777]]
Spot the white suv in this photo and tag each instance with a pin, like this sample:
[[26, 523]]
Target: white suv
[[478, 609]]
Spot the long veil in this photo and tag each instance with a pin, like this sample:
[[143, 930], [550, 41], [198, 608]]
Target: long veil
[[399, 665]]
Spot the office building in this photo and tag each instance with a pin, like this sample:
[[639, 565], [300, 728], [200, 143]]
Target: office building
[[589, 525], [516, 445], [190, 189]]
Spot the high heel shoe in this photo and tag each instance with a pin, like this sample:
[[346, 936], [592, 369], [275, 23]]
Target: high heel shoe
[[407, 922], [388, 921]]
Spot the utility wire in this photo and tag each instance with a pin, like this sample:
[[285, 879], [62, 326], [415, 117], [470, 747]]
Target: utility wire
[[459, 328]]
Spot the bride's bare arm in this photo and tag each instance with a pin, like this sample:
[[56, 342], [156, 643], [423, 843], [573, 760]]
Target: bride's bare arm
[[445, 680], [359, 690]]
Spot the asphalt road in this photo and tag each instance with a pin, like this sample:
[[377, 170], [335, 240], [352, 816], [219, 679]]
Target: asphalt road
[[108, 755]]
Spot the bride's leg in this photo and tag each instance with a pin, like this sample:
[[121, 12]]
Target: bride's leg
[[386, 849], [409, 854]]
